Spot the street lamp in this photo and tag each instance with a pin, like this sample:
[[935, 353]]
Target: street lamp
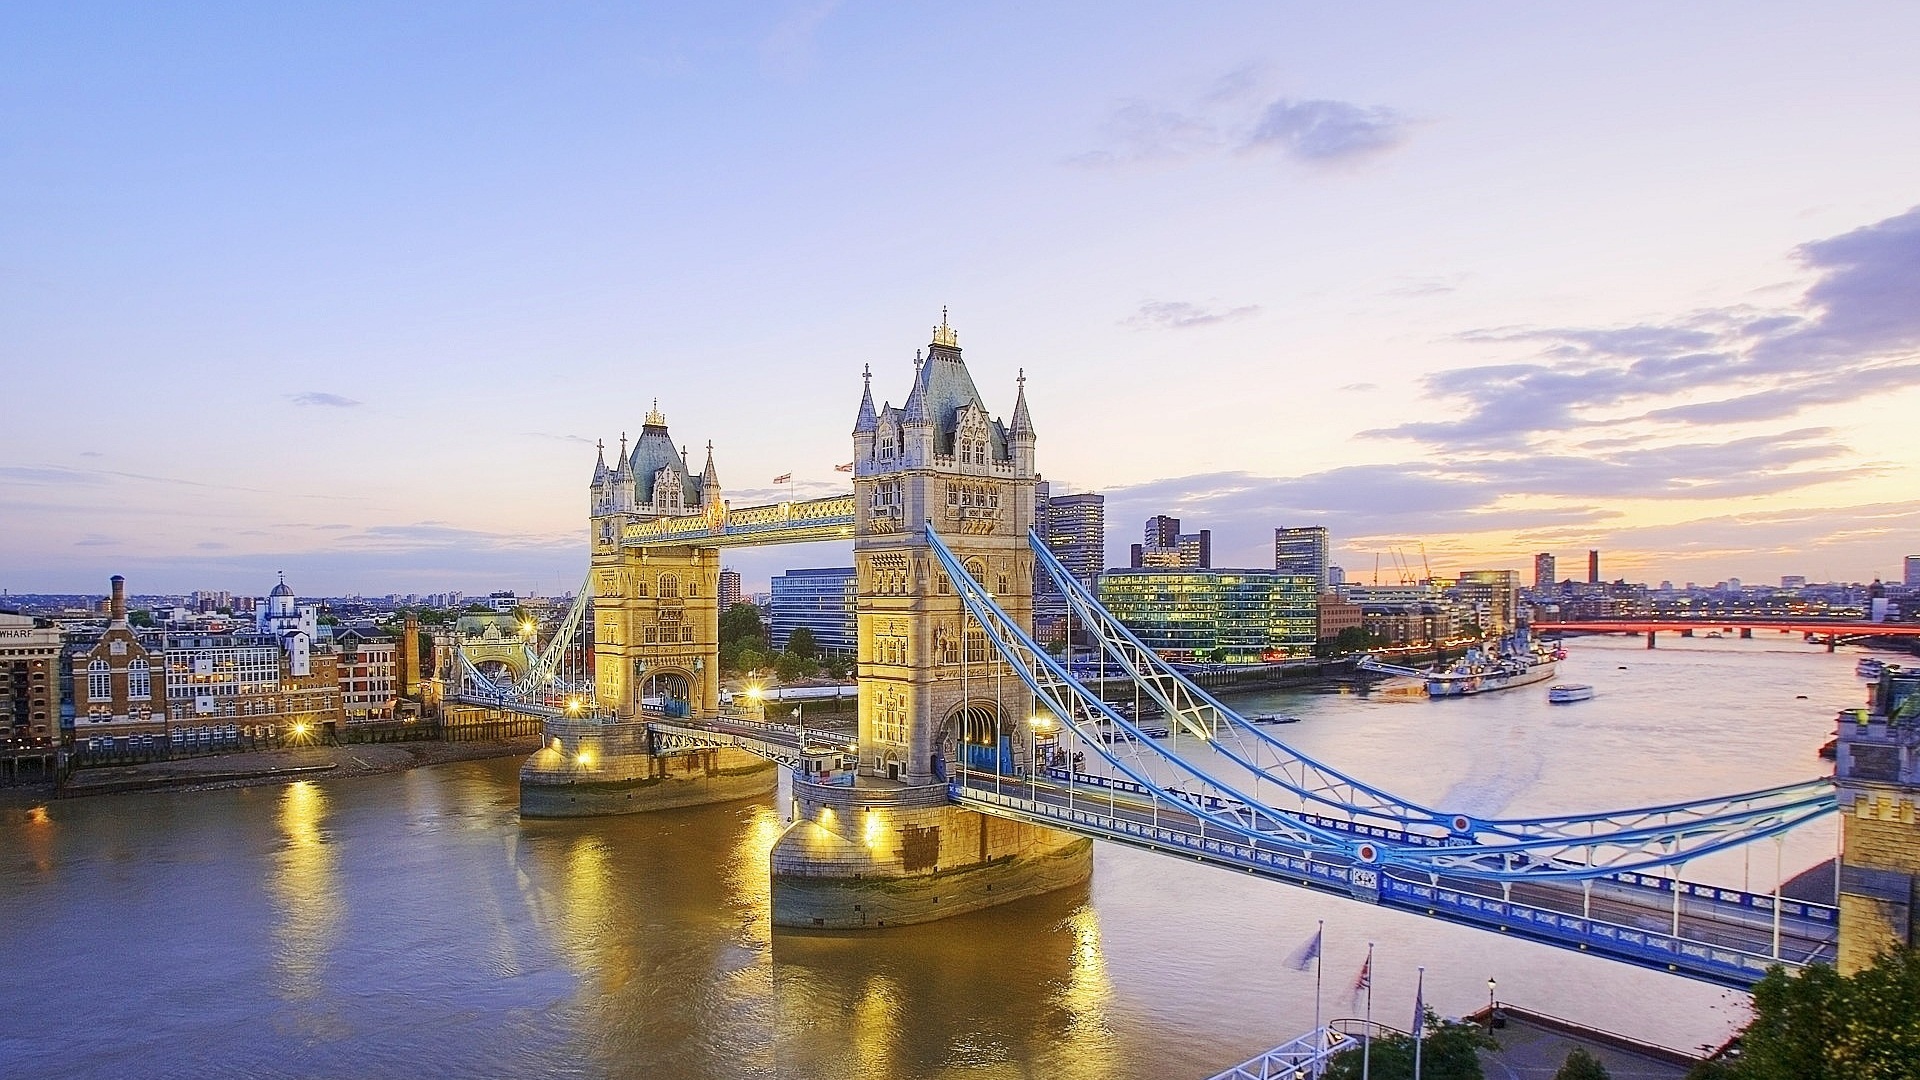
[[1490, 1006]]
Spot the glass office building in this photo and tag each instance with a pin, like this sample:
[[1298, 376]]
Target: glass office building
[[1235, 616], [822, 600]]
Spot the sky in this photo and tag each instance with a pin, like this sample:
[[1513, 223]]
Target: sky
[[352, 290]]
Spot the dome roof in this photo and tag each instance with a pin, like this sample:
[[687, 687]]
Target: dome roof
[[282, 589]]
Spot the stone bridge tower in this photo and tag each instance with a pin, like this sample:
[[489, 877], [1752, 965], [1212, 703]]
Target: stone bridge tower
[[932, 690], [1878, 769], [656, 629]]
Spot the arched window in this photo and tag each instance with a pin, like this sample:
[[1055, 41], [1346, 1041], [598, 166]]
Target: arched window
[[99, 681], [669, 587], [139, 681]]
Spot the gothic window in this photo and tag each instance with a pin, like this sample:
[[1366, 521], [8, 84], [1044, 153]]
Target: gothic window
[[99, 681], [139, 681], [669, 587], [976, 645]]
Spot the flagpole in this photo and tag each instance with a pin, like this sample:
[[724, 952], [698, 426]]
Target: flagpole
[[1319, 966], [1419, 1019], [1366, 1027]]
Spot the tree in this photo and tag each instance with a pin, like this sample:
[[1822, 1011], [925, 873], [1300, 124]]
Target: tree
[[1581, 1065], [1821, 1025], [792, 666], [837, 666], [1450, 1051], [800, 643], [140, 617], [1352, 639]]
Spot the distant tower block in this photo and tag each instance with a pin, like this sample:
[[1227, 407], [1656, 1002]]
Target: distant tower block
[[1593, 567]]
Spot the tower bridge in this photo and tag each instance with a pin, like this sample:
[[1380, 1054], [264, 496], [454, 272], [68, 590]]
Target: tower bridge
[[981, 770]]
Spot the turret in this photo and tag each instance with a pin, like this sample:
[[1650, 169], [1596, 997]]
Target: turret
[[865, 424], [621, 481], [709, 482], [1020, 434], [597, 493], [916, 424]]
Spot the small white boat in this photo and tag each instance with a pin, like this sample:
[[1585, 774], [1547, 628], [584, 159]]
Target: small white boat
[[1870, 667], [1565, 693]]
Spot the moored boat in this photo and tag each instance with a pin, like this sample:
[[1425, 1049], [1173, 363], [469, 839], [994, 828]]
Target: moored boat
[[1517, 662], [1566, 693]]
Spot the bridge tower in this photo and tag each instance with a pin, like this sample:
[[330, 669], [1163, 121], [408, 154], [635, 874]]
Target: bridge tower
[[931, 690], [934, 694], [1877, 765], [656, 629]]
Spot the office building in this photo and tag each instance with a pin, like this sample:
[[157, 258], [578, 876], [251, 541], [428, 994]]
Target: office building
[[1544, 575], [1231, 616], [1912, 576], [1165, 547], [1593, 567], [729, 588], [822, 600], [1302, 551], [1490, 597], [1787, 581], [29, 681], [369, 672], [1076, 533]]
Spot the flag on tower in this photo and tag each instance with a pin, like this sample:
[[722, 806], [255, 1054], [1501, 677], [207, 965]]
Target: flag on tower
[[784, 478], [1304, 956], [1364, 981], [848, 467]]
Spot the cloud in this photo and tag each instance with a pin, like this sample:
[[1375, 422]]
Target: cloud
[[788, 50], [316, 397], [1853, 333], [50, 474], [96, 540], [1359, 387], [1229, 117], [581, 439], [1180, 315], [1322, 131]]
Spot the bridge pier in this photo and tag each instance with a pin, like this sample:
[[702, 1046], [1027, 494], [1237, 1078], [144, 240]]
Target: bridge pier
[[878, 855], [591, 770], [1877, 765], [1650, 637], [1746, 633]]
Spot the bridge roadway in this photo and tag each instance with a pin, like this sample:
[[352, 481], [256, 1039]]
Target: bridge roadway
[[1725, 941]]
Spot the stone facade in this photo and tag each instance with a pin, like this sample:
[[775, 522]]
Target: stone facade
[[1877, 764], [930, 686]]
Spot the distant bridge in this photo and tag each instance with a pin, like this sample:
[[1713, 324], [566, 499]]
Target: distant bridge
[[1822, 628]]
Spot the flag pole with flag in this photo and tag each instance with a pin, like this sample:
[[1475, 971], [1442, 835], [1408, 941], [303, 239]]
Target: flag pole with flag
[[1365, 982], [1419, 1018], [1310, 955], [784, 478]]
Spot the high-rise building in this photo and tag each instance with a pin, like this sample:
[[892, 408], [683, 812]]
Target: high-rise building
[[1492, 596], [1912, 576], [1076, 533], [1793, 581], [1302, 551], [822, 600], [729, 588], [1593, 566], [1543, 571], [1167, 548]]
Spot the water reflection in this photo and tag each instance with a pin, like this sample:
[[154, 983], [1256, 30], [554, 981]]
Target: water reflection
[[305, 893]]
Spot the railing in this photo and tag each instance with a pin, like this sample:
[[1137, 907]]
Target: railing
[[1308, 1055]]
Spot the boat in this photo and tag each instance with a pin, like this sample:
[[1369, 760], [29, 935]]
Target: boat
[[1517, 661], [1567, 693], [1870, 667]]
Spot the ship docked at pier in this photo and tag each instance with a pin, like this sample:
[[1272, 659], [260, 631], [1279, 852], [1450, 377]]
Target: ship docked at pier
[[1516, 660]]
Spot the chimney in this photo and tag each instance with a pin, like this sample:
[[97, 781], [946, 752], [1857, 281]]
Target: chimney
[[117, 607], [410, 657]]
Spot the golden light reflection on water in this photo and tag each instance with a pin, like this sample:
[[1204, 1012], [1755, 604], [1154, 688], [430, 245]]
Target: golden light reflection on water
[[749, 880], [305, 892], [875, 1031], [1088, 993]]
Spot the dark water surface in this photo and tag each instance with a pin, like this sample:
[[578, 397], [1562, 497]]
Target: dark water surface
[[412, 925]]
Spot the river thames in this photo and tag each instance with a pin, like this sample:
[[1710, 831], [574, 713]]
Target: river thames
[[410, 924]]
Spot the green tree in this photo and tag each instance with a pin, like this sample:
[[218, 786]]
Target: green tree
[[792, 666], [1450, 1051], [837, 666], [1581, 1065], [800, 643], [1352, 639], [1820, 1025], [140, 617], [740, 624]]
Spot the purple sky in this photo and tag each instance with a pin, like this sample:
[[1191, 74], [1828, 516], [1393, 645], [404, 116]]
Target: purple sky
[[351, 291]]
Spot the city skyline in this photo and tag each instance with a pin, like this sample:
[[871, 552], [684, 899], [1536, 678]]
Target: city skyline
[[358, 309]]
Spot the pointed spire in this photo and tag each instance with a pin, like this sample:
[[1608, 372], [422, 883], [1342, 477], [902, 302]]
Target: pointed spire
[[915, 410], [1022, 423], [943, 334], [600, 461], [868, 420], [656, 418], [625, 463]]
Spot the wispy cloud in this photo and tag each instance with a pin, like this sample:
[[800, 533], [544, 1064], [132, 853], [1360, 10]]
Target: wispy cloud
[[1854, 333], [1181, 315], [1232, 116], [788, 50], [1322, 131], [317, 397]]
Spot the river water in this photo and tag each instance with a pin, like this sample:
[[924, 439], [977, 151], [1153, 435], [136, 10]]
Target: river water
[[411, 925]]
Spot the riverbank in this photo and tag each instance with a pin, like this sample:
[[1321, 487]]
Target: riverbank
[[280, 766]]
